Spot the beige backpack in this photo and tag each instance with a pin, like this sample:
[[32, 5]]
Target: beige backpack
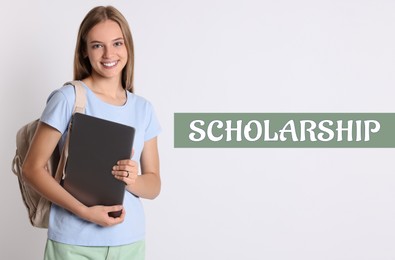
[[37, 206]]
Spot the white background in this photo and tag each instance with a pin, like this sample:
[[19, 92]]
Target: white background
[[228, 56]]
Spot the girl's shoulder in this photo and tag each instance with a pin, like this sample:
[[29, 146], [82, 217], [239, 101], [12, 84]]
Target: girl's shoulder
[[139, 101], [65, 92]]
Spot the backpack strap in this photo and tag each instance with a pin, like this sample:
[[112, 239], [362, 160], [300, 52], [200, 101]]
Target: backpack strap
[[80, 96], [79, 107]]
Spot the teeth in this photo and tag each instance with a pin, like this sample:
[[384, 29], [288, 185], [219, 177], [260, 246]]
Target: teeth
[[110, 64]]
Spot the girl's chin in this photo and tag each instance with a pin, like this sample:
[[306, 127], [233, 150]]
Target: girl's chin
[[106, 73]]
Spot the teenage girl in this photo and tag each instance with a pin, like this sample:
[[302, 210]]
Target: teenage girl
[[104, 62]]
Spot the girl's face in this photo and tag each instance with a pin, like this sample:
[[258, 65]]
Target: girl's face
[[106, 50]]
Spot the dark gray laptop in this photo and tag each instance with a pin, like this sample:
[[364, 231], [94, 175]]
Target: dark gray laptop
[[95, 146]]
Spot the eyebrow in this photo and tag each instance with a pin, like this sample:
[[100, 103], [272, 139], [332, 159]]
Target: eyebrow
[[117, 39]]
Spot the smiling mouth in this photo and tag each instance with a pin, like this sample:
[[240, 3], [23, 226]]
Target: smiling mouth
[[109, 64]]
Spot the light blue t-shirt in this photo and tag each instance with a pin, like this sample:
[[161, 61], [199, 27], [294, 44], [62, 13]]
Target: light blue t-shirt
[[65, 227]]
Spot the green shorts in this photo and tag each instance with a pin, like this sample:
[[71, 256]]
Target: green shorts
[[58, 251]]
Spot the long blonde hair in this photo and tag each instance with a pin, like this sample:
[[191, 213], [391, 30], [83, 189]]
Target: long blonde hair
[[82, 66]]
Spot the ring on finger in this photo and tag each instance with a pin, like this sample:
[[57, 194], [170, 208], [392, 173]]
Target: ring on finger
[[127, 174]]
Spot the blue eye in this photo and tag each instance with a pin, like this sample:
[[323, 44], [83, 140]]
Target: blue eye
[[96, 46], [118, 43]]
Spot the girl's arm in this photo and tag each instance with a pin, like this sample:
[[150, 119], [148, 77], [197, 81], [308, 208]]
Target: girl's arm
[[43, 144], [148, 184]]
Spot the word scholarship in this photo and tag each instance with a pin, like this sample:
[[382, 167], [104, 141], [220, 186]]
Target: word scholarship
[[292, 130]]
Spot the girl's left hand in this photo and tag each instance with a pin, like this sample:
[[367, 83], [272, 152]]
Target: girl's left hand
[[126, 171]]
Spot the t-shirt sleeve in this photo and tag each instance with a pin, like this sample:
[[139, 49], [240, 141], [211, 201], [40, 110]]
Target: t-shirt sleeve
[[153, 127], [57, 111]]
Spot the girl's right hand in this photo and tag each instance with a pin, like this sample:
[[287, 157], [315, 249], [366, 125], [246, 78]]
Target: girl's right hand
[[99, 215]]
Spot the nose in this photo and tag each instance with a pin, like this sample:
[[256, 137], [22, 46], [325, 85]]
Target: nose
[[108, 51]]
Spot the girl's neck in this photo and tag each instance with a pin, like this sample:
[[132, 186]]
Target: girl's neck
[[108, 90], [105, 84]]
